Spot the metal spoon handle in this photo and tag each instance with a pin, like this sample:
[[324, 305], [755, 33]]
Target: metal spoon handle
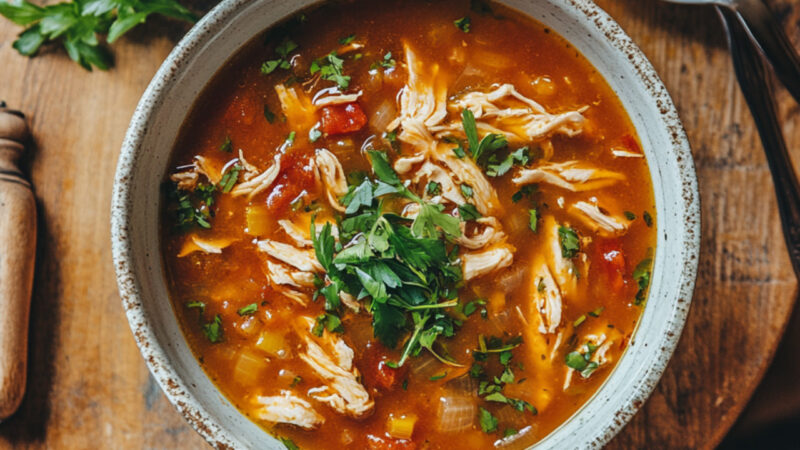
[[754, 81], [768, 34]]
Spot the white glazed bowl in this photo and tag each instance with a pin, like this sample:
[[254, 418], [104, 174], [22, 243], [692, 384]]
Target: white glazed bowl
[[144, 162]]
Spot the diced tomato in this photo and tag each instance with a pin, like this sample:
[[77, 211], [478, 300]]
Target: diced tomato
[[377, 373], [344, 118], [612, 262], [630, 143], [387, 443], [296, 176]]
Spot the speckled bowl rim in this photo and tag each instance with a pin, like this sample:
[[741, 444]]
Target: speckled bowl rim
[[154, 354]]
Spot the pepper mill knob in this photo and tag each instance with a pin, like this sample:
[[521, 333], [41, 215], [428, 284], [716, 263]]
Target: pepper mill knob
[[17, 253]]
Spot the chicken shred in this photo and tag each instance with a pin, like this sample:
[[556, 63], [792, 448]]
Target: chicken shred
[[288, 408], [195, 244], [570, 176], [300, 112], [600, 222], [547, 302], [492, 232], [280, 274], [333, 178], [342, 391], [476, 264], [259, 183], [302, 259]]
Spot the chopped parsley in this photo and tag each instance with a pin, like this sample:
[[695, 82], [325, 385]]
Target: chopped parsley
[[227, 145], [192, 208], [466, 190], [327, 321], [468, 212], [248, 310], [348, 39], [570, 244], [401, 268], [490, 143], [629, 215], [641, 274], [387, 62], [582, 362], [463, 24], [438, 376], [199, 305], [331, 68], [533, 219], [284, 48], [579, 321], [596, 312], [648, 219], [487, 420], [433, 188], [296, 380], [213, 330]]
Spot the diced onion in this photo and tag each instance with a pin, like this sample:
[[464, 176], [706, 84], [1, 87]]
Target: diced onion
[[249, 367], [272, 343], [521, 440], [424, 367], [455, 413], [464, 384], [383, 115]]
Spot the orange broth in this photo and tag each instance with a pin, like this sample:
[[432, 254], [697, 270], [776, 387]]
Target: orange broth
[[500, 47]]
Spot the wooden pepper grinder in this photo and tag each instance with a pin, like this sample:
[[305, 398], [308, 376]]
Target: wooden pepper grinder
[[17, 253]]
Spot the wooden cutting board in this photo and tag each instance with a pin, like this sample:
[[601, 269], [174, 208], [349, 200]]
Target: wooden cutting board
[[88, 386]]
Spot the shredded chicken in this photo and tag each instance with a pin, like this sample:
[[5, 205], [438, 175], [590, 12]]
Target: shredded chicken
[[302, 259], [601, 344], [476, 264], [195, 244], [570, 176], [280, 274], [298, 297], [326, 97], [208, 168], [465, 171], [186, 180], [250, 171], [405, 164], [350, 301], [492, 232], [599, 220], [546, 300], [504, 110], [297, 107], [333, 178], [431, 172], [259, 183], [334, 364], [564, 270], [288, 408]]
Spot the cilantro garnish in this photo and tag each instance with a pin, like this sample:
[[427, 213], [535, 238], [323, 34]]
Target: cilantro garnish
[[230, 178], [330, 68], [463, 24], [269, 115], [582, 361], [348, 39], [487, 420], [192, 208], [284, 48], [227, 145], [648, 219], [570, 244], [641, 274], [248, 310], [289, 444], [402, 269], [213, 330], [387, 62], [490, 143], [533, 219]]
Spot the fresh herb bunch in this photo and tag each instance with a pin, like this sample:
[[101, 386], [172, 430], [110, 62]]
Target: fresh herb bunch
[[406, 268], [76, 25]]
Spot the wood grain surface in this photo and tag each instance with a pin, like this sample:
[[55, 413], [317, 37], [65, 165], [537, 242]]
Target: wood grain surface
[[88, 386]]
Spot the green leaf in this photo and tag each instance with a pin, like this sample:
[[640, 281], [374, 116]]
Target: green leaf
[[470, 129], [21, 12], [213, 330], [570, 244], [487, 420], [533, 219], [348, 39], [641, 274], [362, 196], [466, 191], [269, 115], [381, 167], [29, 41], [648, 219], [248, 310], [463, 24], [289, 444], [468, 212], [388, 323], [575, 360], [123, 24], [433, 188]]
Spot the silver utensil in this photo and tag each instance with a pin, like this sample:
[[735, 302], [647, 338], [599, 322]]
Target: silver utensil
[[767, 34]]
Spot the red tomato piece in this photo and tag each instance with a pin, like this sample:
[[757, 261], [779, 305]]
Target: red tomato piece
[[296, 176], [387, 443], [612, 260], [344, 118], [386, 377], [630, 143], [377, 373]]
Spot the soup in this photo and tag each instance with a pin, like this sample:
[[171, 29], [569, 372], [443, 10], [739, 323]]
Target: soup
[[395, 224]]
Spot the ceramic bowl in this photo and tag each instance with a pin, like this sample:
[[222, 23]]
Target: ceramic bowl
[[143, 164]]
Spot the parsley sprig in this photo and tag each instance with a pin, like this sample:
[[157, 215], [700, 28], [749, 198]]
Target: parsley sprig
[[405, 271], [331, 68], [76, 25]]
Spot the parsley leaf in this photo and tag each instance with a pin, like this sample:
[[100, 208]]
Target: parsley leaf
[[533, 219], [433, 188], [648, 219], [330, 67], [486, 146], [213, 330], [248, 310], [283, 49], [468, 212], [463, 24], [641, 274], [488, 421], [570, 244], [289, 444]]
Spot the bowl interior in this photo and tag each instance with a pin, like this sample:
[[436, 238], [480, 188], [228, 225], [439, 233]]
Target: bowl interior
[[167, 101]]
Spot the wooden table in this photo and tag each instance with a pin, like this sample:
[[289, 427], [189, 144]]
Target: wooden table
[[89, 388]]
